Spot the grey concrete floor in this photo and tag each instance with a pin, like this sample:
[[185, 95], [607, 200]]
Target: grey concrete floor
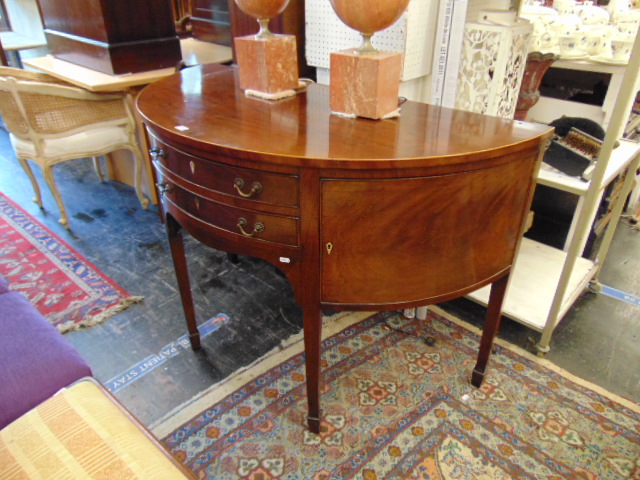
[[598, 340]]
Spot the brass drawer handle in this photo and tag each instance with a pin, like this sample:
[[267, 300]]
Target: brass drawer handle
[[256, 188], [257, 227], [164, 188], [157, 153]]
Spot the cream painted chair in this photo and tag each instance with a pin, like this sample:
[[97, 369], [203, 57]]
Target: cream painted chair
[[51, 121]]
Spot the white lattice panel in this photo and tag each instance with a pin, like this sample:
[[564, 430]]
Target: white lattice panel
[[492, 67], [412, 35]]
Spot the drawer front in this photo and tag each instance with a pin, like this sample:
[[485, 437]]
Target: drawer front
[[238, 182], [245, 223]]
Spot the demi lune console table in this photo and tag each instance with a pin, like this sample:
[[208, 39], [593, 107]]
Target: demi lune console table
[[358, 214]]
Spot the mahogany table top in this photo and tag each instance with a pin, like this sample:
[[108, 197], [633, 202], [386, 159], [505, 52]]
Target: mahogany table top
[[202, 107]]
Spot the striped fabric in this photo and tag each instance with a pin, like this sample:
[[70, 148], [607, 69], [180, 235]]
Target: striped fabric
[[81, 433]]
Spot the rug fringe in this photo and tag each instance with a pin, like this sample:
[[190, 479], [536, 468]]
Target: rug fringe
[[101, 317]]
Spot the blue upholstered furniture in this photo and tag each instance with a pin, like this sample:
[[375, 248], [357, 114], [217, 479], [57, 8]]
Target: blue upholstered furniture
[[35, 360]]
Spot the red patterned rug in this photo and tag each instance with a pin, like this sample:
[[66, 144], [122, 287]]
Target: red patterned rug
[[395, 408], [63, 286]]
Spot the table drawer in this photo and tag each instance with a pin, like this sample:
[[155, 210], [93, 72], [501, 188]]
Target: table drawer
[[246, 223], [239, 182]]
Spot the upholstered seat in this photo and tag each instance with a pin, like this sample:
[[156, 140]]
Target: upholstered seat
[[94, 139], [51, 121], [37, 360], [83, 432]]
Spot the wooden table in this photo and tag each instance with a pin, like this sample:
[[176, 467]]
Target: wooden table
[[94, 81], [13, 42], [359, 214], [193, 52]]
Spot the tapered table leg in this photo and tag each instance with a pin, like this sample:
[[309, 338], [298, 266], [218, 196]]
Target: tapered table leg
[[312, 348], [176, 244], [491, 327]]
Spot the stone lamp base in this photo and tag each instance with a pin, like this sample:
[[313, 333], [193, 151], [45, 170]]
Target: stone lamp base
[[365, 85], [268, 65]]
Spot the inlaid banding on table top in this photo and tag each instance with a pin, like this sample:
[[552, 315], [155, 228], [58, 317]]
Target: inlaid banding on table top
[[301, 131]]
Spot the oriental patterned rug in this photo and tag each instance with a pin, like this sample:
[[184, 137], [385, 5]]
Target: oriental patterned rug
[[60, 283], [394, 407]]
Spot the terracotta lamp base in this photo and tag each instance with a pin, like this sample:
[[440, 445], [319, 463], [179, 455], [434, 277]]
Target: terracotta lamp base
[[365, 85], [267, 65]]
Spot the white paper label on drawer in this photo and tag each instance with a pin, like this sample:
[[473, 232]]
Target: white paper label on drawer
[[181, 128], [285, 260]]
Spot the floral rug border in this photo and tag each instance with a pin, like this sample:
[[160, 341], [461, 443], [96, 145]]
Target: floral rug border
[[331, 326]]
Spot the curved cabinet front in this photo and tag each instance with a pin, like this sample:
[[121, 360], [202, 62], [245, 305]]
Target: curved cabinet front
[[359, 214], [423, 239]]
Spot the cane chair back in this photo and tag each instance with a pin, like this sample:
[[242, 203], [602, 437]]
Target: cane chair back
[[51, 121]]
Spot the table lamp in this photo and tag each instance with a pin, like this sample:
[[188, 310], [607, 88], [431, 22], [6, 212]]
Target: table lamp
[[268, 65], [365, 82]]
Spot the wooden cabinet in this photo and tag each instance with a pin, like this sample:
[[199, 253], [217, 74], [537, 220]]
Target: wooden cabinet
[[112, 36], [211, 21], [358, 214]]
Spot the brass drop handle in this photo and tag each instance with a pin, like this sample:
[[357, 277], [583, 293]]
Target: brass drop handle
[[156, 153], [257, 227], [256, 188], [164, 188]]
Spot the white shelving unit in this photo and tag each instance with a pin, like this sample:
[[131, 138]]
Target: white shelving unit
[[547, 281], [534, 283], [548, 109], [539, 267], [618, 162]]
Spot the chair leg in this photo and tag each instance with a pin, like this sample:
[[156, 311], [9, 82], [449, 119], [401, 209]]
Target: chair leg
[[137, 154], [48, 176], [98, 168], [36, 188]]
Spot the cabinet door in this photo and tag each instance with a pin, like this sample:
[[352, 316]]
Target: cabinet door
[[400, 240]]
